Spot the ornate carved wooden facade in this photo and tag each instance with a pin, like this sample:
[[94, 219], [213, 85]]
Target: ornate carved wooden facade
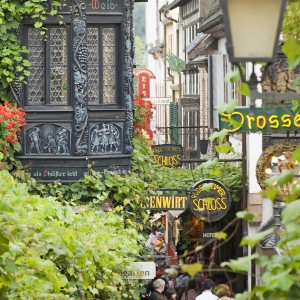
[[78, 97]]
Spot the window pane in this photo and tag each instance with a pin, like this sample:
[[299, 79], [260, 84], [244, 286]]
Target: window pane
[[109, 65], [58, 66], [36, 80], [93, 65]]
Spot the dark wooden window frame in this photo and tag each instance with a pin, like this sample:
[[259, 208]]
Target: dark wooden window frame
[[92, 22]]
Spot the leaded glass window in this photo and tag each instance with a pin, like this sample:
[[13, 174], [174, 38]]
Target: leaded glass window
[[48, 80], [102, 57], [58, 66], [36, 81], [51, 66]]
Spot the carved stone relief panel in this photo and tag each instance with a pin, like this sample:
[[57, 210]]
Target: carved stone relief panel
[[105, 138], [280, 79], [48, 139]]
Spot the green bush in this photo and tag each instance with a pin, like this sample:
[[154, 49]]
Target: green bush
[[49, 251]]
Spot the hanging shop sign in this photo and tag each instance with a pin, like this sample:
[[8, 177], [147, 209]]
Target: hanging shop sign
[[166, 202], [140, 270], [168, 155], [209, 200], [144, 76], [266, 119]]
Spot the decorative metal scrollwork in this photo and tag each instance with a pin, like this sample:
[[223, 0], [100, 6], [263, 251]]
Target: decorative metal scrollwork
[[80, 53], [128, 74]]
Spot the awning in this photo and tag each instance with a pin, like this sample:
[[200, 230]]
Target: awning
[[200, 37]]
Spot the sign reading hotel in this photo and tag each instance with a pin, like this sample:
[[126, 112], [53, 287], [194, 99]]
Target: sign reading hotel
[[267, 119], [143, 76], [166, 202], [168, 155], [209, 200]]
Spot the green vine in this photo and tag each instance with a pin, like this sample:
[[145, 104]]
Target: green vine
[[12, 12]]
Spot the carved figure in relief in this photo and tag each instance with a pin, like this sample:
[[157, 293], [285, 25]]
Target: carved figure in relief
[[267, 84], [287, 164], [113, 138], [104, 137], [281, 81], [35, 140], [51, 145], [95, 139], [62, 141]]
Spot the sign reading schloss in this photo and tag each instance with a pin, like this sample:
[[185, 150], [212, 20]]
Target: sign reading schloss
[[140, 270], [166, 202], [167, 155], [209, 200], [267, 119]]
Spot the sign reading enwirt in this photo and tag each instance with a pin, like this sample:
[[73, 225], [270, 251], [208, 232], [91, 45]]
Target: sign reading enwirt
[[166, 202], [267, 119], [209, 200], [168, 155]]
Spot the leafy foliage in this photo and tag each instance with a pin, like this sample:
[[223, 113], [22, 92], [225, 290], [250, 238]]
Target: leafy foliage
[[12, 12], [48, 251]]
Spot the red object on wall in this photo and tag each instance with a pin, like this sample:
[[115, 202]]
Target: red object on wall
[[144, 76]]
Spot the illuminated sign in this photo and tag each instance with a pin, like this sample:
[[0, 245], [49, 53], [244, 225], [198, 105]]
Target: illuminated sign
[[166, 202], [209, 200], [271, 119], [144, 76], [168, 155]]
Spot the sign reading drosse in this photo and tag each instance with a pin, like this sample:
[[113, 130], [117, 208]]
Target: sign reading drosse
[[141, 270], [209, 200], [267, 119]]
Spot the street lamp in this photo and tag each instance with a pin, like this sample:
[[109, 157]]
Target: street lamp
[[252, 29]]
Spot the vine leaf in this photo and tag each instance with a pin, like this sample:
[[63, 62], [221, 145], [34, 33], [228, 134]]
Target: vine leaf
[[192, 269], [240, 264], [252, 240]]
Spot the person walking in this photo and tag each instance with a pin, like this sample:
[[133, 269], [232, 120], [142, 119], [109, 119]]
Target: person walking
[[207, 291], [223, 292], [158, 288], [190, 292]]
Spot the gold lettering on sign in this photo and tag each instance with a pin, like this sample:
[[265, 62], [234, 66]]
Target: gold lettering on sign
[[274, 122], [166, 202], [209, 204], [261, 122], [168, 161]]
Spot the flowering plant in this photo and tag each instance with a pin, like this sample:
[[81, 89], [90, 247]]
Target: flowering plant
[[11, 121], [142, 117]]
